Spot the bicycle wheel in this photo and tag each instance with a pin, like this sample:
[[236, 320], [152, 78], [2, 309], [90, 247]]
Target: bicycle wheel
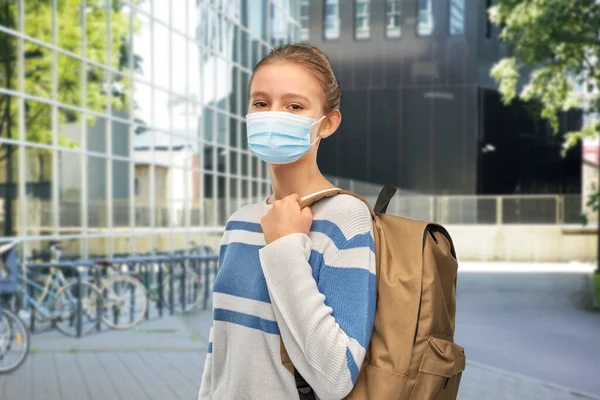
[[14, 342], [65, 307], [125, 302], [193, 289]]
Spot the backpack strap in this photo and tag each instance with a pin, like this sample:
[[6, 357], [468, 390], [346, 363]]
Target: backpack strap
[[311, 199], [304, 390], [384, 198]]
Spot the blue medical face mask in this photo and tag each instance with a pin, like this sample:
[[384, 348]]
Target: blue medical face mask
[[279, 137]]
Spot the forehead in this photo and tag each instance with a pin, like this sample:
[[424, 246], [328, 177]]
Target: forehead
[[285, 77]]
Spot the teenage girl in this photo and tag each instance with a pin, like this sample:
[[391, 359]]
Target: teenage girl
[[303, 276]]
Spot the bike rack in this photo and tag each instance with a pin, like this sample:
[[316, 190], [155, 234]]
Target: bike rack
[[143, 264], [139, 266]]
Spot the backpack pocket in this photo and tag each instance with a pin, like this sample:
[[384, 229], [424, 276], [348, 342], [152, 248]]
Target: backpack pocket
[[440, 371]]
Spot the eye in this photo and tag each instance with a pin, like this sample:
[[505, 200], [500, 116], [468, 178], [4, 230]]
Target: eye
[[260, 104], [296, 107]]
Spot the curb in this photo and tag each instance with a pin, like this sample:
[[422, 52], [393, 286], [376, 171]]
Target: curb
[[540, 382]]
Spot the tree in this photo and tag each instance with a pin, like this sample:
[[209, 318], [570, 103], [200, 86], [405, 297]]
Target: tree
[[554, 48], [38, 71]]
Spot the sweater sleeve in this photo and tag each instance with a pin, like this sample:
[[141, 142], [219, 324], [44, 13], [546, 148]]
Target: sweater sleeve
[[205, 385], [326, 326]]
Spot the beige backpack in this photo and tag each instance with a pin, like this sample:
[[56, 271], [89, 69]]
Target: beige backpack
[[412, 354]]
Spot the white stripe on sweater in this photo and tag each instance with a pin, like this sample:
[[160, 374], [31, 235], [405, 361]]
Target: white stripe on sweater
[[245, 306]]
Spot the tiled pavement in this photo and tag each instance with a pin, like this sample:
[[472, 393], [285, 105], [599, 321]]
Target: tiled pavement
[[163, 359]]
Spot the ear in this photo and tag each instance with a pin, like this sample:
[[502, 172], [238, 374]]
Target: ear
[[330, 124]]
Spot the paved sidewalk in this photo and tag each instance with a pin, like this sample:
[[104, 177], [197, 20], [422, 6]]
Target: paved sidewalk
[[160, 360], [481, 382], [163, 360]]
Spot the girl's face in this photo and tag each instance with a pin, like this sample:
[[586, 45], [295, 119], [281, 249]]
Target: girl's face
[[289, 87]]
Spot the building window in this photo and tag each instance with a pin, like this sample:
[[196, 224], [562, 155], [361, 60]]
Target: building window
[[332, 19], [279, 24], [136, 186], [393, 14], [457, 17], [488, 23], [426, 23], [362, 19], [304, 20]]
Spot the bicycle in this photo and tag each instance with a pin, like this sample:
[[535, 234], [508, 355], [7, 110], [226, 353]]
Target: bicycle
[[13, 333], [114, 297], [62, 301]]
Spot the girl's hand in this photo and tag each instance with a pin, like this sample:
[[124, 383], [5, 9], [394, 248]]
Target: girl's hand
[[286, 218]]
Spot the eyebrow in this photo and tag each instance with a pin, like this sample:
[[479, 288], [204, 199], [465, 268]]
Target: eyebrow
[[284, 96]]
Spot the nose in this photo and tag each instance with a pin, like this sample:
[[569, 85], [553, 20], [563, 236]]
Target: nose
[[278, 106]]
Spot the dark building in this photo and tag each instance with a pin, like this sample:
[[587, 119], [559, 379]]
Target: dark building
[[419, 107]]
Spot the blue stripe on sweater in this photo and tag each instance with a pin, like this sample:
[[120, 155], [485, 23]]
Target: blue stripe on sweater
[[337, 236], [316, 262], [351, 293], [210, 348], [352, 366], [247, 320], [241, 274], [243, 226]]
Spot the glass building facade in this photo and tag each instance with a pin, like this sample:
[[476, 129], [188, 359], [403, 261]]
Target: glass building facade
[[420, 107], [122, 122]]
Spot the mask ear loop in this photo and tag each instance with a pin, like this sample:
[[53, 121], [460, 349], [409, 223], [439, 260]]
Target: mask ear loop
[[318, 137]]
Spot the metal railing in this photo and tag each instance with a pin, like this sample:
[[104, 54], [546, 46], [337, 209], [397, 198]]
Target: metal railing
[[453, 209], [40, 215], [475, 209], [485, 210]]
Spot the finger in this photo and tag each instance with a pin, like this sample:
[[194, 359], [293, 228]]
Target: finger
[[306, 212], [294, 197]]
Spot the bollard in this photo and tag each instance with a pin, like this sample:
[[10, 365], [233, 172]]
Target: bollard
[[99, 306], [78, 317], [183, 276], [161, 295], [146, 272]]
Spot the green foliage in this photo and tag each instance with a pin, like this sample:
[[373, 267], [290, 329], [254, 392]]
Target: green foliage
[[558, 42], [39, 62]]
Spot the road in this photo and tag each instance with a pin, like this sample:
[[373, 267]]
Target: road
[[533, 323]]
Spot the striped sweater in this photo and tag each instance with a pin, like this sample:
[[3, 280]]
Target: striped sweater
[[315, 292]]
